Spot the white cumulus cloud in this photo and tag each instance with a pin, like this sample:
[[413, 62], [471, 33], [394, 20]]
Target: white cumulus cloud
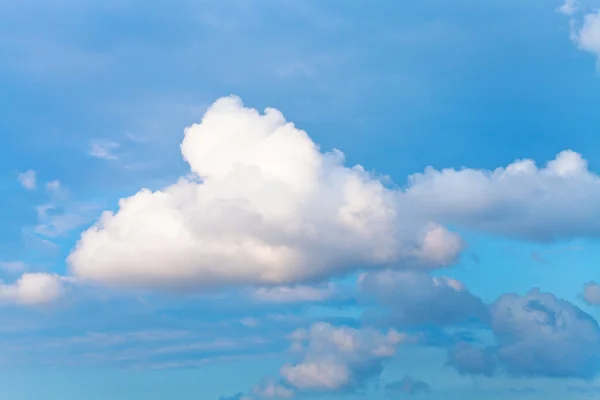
[[557, 201], [32, 289], [336, 358], [586, 34], [264, 206], [585, 28]]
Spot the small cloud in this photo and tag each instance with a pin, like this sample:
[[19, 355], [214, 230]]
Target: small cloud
[[56, 189], [53, 186], [568, 8], [249, 322], [28, 179], [13, 266], [103, 149], [591, 293], [32, 289]]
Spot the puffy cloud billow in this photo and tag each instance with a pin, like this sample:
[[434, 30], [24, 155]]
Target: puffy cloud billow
[[32, 289], [541, 335], [264, 207], [339, 358], [558, 201]]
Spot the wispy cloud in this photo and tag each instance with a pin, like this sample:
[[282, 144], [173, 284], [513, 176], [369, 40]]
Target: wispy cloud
[[55, 220], [104, 149], [13, 266], [569, 7]]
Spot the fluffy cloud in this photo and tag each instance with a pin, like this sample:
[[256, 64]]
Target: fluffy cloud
[[270, 389], [27, 179], [415, 298], [540, 335], [32, 289], [408, 385], [585, 32], [591, 293], [337, 358], [264, 206], [470, 360], [521, 200]]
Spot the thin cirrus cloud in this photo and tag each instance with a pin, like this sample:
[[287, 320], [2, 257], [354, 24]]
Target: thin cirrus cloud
[[104, 149]]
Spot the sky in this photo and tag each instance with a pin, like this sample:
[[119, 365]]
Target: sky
[[299, 199]]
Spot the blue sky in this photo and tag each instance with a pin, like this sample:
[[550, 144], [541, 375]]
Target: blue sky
[[183, 215]]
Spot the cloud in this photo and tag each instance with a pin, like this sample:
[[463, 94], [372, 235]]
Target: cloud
[[470, 360], [587, 35], [295, 294], [408, 385], [55, 188], [264, 207], [237, 396], [103, 149], [61, 214], [13, 266], [540, 335], [591, 293], [56, 219], [585, 32], [271, 389], [416, 298], [27, 179], [558, 201], [32, 289], [339, 358], [569, 7]]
